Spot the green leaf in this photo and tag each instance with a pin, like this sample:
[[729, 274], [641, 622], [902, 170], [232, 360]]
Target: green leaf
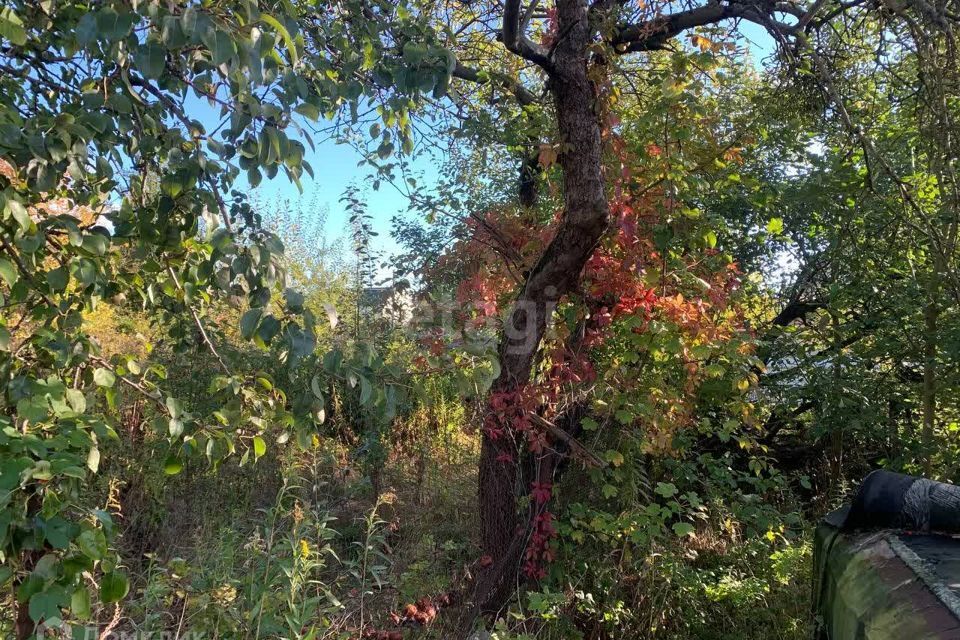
[[666, 489], [11, 27], [114, 26], [315, 388], [114, 587], [172, 33], [77, 401], [30, 243], [308, 110], [254, 177], [86, 29], [366, 390], [96, 243], [294, 300], [268, 329], [120, 103], [414, 53], [775, 226], [93, 544], [104, 377], [80, 603], [59, 532], [249, 323], [34, 409], [20, 213], [614, 457], [172, 184], [172, 466], [221, 45], [151, 59], [86, 272], [58, 278], [74, 472], [287, 40], [662, 236], [259, 447], [701, 351], [45, 605], [683, 529], [174, 407], [8, 272]]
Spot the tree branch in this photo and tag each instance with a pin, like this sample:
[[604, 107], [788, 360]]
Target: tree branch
[[654, 34], [155, 397], [795, 310], [199, 323], [780, 419], [523, 95], [528, 15], [516, 42], [575, 446], [529, 168]]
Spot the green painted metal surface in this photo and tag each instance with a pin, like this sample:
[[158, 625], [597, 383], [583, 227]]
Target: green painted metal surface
[[885, 585]]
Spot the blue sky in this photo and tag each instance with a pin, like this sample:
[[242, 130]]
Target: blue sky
[[336, 168]]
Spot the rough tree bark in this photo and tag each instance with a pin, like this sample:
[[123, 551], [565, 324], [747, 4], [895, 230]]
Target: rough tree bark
[[584, 221]]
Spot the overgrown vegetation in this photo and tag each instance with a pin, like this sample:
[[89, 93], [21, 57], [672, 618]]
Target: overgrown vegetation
[[663, 306]]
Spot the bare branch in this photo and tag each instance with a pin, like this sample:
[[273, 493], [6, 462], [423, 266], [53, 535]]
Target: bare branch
[[523, 95], [528, 15], [807, 17], [154, 396], [795, 310], [517, 42], [199, 323], [654, 34], [575, 446]]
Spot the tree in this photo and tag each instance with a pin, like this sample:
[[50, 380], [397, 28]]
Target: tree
[[111, 190], [580, 54], [862, 342]]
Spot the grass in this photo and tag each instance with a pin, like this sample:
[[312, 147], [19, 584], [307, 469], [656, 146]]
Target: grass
[[299, 546]]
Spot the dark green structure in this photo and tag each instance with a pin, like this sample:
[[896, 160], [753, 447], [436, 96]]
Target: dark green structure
[[887, 567]]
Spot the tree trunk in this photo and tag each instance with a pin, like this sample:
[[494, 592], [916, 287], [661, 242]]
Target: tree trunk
[[930, 317], [503, 532]]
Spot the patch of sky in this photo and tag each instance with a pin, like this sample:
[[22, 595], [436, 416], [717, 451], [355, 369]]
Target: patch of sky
[[336, 166]]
